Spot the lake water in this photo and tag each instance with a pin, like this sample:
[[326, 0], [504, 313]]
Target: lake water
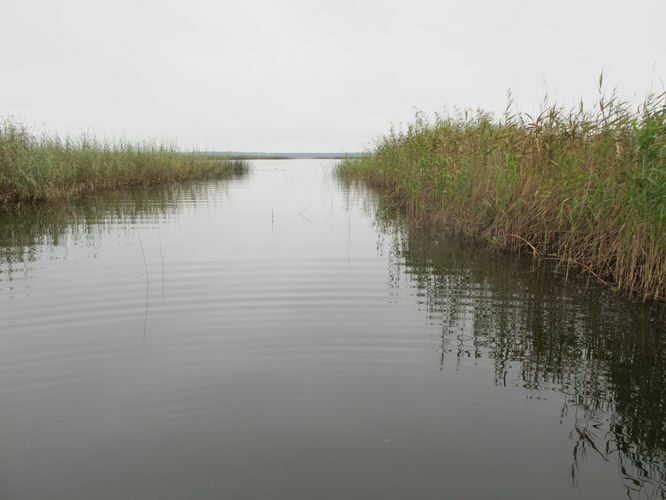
[[285, 336]]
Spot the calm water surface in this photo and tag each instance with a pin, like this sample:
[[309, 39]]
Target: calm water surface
[[283, 336]]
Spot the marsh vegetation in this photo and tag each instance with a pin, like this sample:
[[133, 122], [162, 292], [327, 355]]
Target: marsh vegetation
[[46, 168], [584, 187]]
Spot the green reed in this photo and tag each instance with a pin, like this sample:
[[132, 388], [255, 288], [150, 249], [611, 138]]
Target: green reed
[[34, 168], [584, 187]]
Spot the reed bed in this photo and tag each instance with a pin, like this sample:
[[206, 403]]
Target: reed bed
[[584, 187], [42, 168]]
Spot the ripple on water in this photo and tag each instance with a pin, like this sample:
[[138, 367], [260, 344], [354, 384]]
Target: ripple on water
[[270, 337]]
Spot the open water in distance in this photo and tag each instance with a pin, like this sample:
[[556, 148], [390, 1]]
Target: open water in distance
[[282, 336]]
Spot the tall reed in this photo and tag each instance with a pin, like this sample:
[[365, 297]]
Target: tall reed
[[584, 187], [41, 168]]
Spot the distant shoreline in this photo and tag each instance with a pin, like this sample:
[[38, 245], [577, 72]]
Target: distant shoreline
[[243, 155]]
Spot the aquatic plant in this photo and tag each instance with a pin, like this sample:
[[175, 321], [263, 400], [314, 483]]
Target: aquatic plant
[[46, 168], [586, 188]]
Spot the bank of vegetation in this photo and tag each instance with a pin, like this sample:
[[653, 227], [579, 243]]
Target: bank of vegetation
[[586, 188], [46, 168]]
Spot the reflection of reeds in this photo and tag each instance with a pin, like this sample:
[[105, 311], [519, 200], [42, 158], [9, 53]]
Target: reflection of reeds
[[24, 229], [49, 168], [605, 356], [586, 188]]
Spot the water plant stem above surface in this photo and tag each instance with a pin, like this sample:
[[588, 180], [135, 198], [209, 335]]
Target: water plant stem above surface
[[586, 188], [34, 169]]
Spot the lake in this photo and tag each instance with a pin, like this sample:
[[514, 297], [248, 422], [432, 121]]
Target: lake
[[284, 335]]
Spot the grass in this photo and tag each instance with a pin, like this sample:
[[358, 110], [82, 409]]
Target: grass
[[584, 187], [36, 169], [27, 230]]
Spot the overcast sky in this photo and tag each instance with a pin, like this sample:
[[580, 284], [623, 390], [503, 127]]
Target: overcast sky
[[299, 75]]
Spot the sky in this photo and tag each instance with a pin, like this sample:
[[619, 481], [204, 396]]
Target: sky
[[297, 75]]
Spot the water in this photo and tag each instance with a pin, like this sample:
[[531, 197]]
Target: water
[[286, 336]]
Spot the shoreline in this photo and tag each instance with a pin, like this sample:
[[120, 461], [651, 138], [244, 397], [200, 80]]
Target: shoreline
[[586, 189], [39, 169]]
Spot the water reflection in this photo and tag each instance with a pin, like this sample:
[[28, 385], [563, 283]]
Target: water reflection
[[606, 357], [200, 336], [26, 231]]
